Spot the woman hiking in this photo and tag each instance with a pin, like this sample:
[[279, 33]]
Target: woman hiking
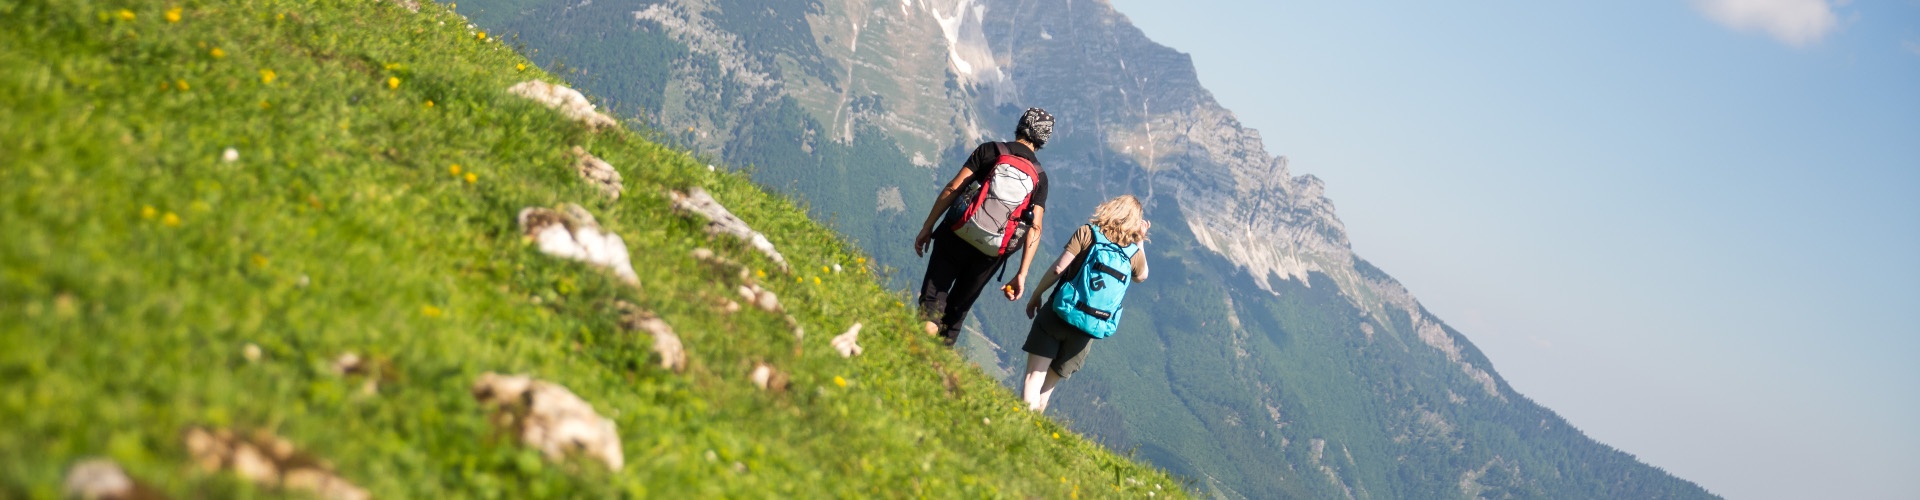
[[1093, 271], [992, 207]]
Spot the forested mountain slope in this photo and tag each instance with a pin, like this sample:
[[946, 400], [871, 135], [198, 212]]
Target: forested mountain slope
[[1264, 359]]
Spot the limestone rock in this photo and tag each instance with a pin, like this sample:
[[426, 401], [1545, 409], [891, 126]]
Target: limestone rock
[[848, 343], [673, 356], [767, 378], [103, 479], [269, 460], [760, 297], [567, 101], [696, 201], [549, 418], [598, 173], [571, 233]]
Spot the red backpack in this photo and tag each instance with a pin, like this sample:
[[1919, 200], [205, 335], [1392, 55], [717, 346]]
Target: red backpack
[[991, 220]]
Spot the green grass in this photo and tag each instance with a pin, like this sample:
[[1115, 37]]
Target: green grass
[[136, 265]]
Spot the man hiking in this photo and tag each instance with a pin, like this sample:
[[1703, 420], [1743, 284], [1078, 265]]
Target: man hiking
[[991, 208], [1094, 271]]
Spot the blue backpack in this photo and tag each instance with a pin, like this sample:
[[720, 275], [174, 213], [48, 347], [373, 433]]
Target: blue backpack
[[1089, 299]]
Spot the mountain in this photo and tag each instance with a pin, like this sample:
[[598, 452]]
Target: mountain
[[333, 249], [1264, 359]]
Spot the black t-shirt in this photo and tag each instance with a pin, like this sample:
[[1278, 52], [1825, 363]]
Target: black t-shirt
[[984, 157]]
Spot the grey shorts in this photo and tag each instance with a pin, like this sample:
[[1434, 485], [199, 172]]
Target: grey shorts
[[1052, 337]]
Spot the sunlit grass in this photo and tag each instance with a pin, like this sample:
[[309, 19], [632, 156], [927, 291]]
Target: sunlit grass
[[206, 202]]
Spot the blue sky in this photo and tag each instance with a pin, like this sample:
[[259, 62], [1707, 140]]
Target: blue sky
[[1690, 227]]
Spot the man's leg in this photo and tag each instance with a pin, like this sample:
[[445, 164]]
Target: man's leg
[[973, 276], [942, 270]]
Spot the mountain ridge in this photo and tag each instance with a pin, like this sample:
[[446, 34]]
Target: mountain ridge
[[1263, 337]]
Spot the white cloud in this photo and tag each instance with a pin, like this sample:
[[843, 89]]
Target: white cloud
[[1792, 22]]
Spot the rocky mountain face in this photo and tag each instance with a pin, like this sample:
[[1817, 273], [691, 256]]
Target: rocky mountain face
[[1263, 360]]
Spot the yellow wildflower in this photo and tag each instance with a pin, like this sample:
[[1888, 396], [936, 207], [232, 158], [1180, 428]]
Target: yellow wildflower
[[393, 82], [170, 220], [267, 76], [264, 105], [217, 53], [481, 36], [182, 84], [826, 269], [125, 15], [429, 103], [430, 311], [816, 280], [147, 212], [259, 260], [472, 178], [454, 169], [1056, 435], [839, 381], [520, 67], [759, 273], [173, 15]]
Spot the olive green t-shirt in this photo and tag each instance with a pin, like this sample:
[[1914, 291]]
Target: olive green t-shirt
[[1083, 238]]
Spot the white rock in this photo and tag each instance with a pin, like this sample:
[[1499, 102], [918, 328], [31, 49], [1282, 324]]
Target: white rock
[[98, 478], [347, 363], [573, 234], [550, 418], [673, 355], [567, 101], [268, 460], [848, 343], [767, 301], [598, 173], [760, 374], [696, 201]]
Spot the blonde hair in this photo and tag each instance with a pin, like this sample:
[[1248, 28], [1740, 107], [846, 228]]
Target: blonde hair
[[1121, 219]]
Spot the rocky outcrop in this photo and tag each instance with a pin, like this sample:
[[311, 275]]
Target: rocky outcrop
[[697, 203], [598, 173], [569, 102], [549, 418], [263, 458], [572, 233]]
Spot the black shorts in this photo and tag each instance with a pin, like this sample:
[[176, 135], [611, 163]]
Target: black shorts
[[1053, 337]]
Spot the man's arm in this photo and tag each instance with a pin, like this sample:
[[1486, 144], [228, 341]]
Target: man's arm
[[940, 205], [1018, 287]]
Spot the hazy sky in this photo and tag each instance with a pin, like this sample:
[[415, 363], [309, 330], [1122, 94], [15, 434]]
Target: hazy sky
[[1690, 227]]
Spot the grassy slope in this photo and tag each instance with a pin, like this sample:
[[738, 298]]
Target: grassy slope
[[136, 265]]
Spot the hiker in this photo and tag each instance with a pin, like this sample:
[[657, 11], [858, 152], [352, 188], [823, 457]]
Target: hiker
[[1093, 272], [992, 208]]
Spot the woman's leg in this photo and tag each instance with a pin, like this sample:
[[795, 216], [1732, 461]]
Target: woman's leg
[[1039, 382], [1046, 388]]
